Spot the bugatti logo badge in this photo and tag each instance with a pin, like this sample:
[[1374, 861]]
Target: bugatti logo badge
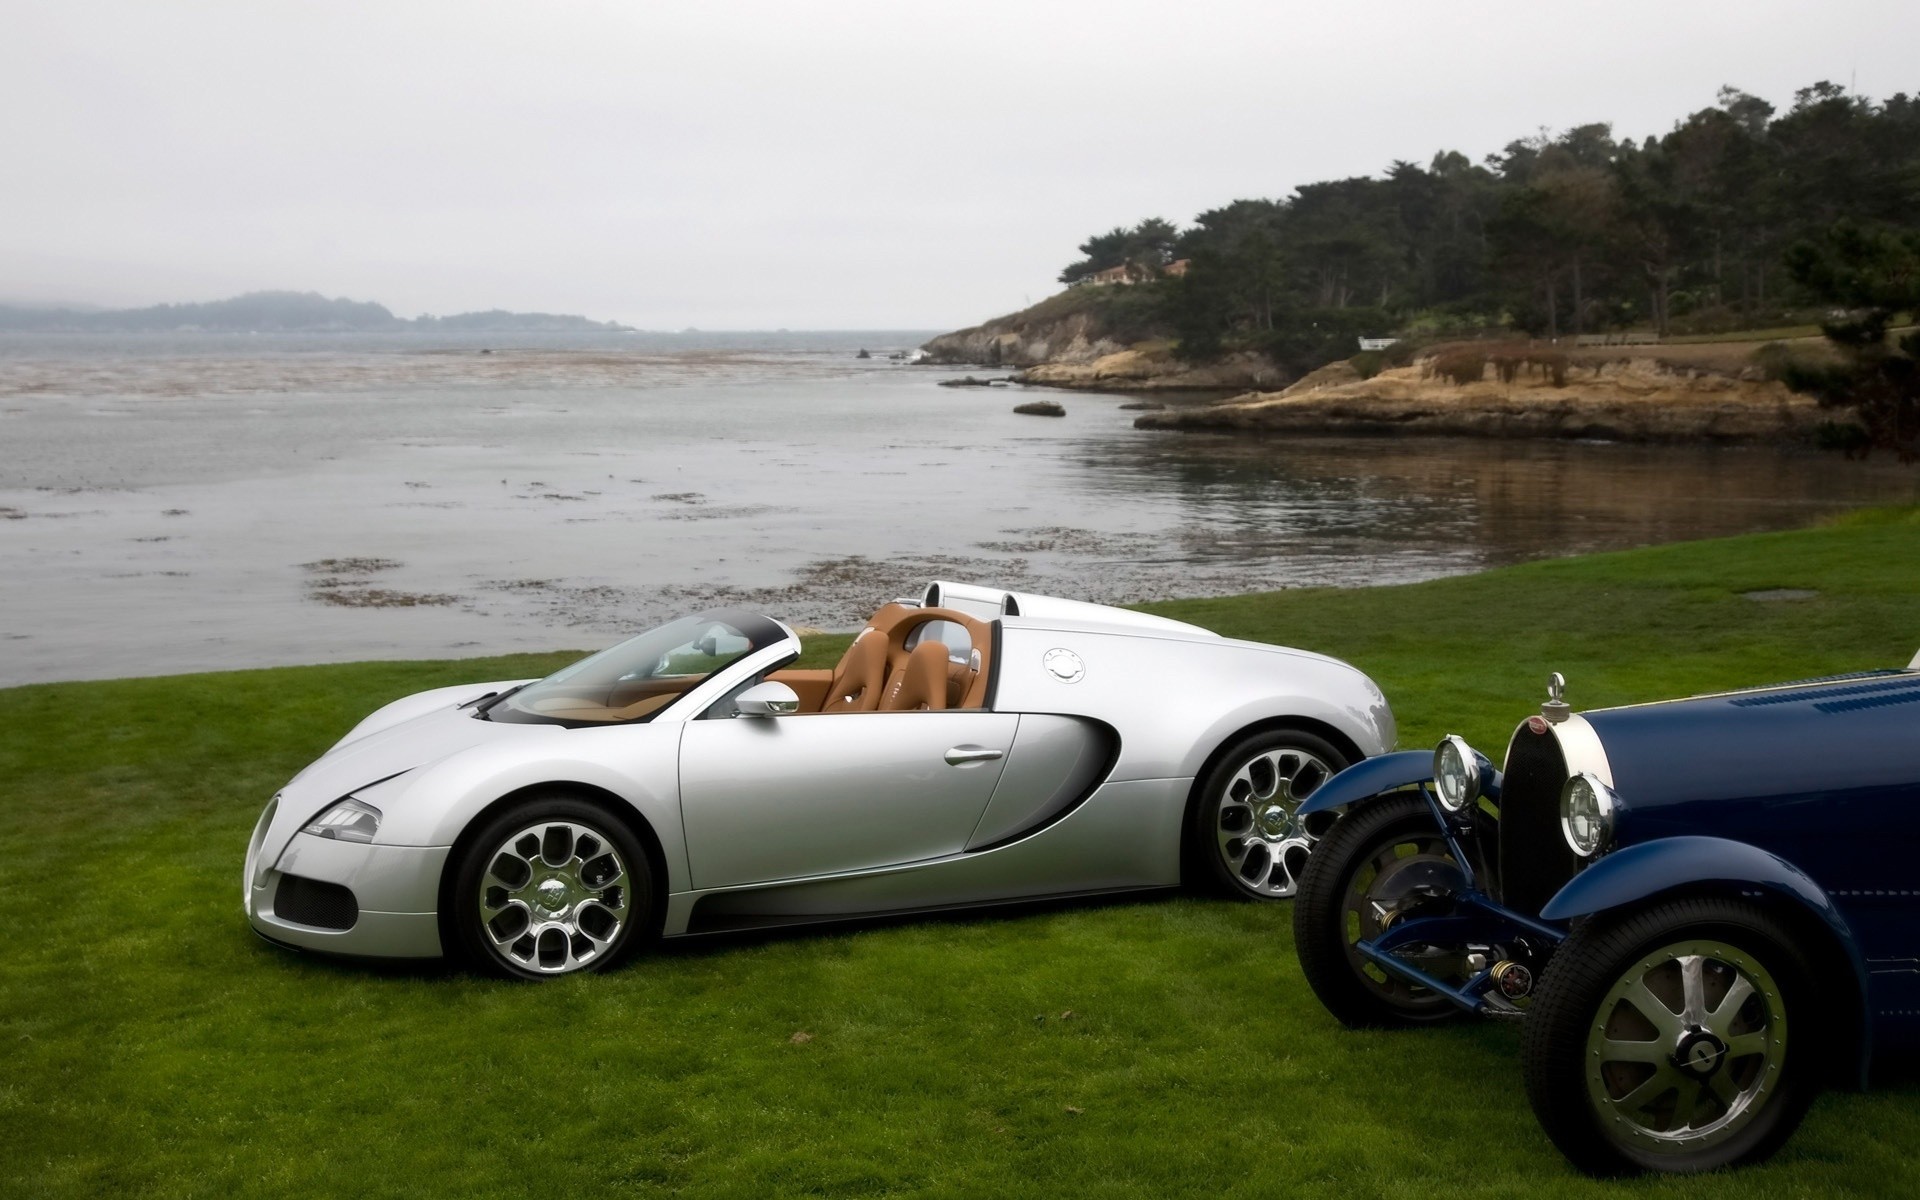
[[1064, 665], [551, 895]]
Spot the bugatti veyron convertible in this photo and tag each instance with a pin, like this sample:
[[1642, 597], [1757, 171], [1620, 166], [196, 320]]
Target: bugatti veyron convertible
[[973, 746]]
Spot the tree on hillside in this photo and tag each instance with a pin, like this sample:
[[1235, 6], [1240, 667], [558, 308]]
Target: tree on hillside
[[1344, 237], [1144, 250], [1236, 275], [1443, 213], [1717, 163], [1875, 273], [1561, 227], [1555, 233]]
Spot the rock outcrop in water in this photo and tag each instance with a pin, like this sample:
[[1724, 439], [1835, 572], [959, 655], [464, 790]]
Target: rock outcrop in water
[[1041, 408]]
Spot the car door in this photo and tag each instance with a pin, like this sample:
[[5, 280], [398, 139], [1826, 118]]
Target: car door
[[766, 798]]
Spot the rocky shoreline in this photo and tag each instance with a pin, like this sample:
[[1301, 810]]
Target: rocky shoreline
[[1710, 393], [1154, 369], [1635, 400], [1014, 342]]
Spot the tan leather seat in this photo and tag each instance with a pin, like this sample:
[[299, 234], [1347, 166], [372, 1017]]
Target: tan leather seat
[[860, 677], [922, 683]]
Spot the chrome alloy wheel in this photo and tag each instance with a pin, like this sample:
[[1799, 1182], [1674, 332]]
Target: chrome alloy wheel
[[1262, 839], [1686, 1048], [554, 897]]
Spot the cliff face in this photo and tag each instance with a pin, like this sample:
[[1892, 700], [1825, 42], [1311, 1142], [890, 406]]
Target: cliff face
[[1153, 368], [1102, 339], [1026, 339]]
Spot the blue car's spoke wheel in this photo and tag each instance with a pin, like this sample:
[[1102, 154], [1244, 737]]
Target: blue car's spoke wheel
[[548, 889], [1248, 825], [1381, 863], [1661, 1039]]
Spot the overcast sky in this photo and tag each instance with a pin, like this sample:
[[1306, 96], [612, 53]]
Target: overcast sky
[[784, 164]]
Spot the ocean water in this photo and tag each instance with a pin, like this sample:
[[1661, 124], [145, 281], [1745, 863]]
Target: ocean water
[[197, 502]]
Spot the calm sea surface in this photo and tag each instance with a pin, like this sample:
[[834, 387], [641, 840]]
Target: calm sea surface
[[194, 502]]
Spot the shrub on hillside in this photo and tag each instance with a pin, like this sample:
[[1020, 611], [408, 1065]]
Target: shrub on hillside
[[1459, 367], [1308, 338], [1775, 360]]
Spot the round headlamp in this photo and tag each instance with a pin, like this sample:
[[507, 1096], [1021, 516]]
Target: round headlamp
[[1586, 814], [1456, 772]]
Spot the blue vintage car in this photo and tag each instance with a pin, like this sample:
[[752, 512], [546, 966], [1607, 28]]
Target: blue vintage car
[[1702, 911]]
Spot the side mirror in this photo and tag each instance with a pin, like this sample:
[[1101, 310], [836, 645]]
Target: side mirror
[[768, 699]]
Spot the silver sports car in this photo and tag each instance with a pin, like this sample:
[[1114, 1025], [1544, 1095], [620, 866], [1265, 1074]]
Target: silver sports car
[[973, 747]]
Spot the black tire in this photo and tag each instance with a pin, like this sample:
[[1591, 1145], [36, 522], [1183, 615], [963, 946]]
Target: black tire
[[1262, 776], [1577, 1016], [611, 875], [1358, 993]]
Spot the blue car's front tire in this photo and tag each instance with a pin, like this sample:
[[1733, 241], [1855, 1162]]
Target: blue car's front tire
[[1352, 890], [1660, 1040]]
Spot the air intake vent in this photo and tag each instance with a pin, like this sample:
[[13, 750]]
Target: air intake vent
[[1904, 683], [1860, 702], [311, 902]]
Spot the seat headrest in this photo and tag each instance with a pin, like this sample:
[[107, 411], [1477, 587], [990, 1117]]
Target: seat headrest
[[922, 683], [859, 676]]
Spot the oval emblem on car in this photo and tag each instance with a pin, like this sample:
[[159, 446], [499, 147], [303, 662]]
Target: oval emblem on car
[[1063, 664]]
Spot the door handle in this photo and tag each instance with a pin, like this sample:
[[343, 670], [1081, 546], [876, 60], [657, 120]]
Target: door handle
[[960, 756]]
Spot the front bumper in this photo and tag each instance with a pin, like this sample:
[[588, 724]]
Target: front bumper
[[394, 893]]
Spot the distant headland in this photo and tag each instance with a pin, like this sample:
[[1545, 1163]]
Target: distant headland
[[287, 312]]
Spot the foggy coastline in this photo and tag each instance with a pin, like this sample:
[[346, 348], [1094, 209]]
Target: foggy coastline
[[173, 504]]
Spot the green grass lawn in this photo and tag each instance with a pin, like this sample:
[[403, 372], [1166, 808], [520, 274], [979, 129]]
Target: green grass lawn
[[153, 1046]]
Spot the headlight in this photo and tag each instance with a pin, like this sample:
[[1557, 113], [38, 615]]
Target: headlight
[[347, 821], [1456, 770], [1586, 814]]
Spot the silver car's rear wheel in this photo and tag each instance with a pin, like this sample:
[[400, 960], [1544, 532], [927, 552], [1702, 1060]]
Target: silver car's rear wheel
[[1248, 822], [550, 888]]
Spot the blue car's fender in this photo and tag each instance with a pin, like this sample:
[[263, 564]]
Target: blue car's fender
[[1370, 777], [1643, 871]]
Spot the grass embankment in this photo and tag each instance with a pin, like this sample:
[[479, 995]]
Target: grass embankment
[[154, 1047]]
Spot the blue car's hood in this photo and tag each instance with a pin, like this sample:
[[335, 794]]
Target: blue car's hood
[[1796, 740]]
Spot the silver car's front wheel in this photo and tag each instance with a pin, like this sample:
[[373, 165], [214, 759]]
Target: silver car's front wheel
[[550, 888], [1248, 824]]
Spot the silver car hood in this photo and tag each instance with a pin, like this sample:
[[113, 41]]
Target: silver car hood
[[359, 762]]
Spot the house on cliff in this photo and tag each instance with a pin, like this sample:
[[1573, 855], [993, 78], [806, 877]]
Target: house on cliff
[[1130, 273]]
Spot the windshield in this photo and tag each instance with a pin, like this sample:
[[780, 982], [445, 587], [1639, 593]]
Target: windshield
[[637, 678]]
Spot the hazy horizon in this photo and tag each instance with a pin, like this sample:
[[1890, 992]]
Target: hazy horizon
[[85, 307], [764, 166]]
